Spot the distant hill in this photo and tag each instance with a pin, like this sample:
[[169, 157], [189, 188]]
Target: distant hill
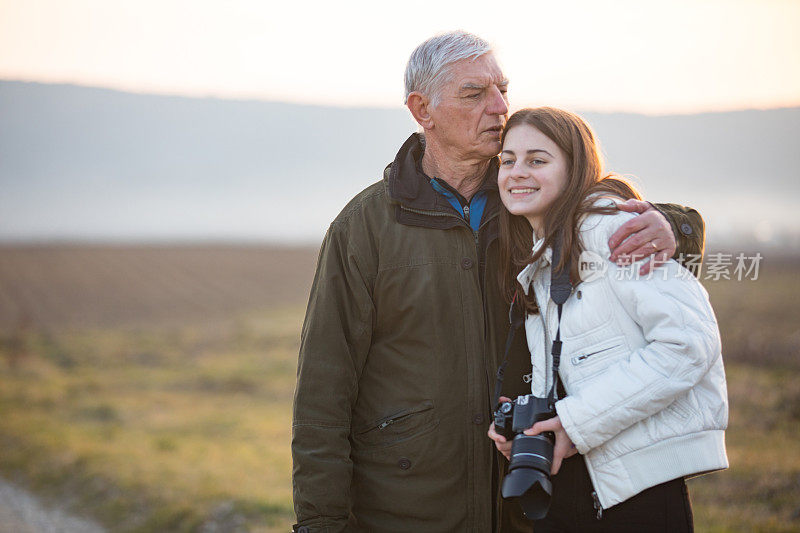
[[82, 163]]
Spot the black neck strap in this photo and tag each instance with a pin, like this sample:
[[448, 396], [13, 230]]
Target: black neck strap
[[560, 289], [515, 319]]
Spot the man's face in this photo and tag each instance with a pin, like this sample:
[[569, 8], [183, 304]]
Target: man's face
[[472, 109]]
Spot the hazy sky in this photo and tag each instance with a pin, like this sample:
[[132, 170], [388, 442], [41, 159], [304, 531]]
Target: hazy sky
[[640, 55]]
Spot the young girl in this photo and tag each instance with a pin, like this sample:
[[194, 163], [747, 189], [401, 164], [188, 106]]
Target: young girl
[[643, 401]]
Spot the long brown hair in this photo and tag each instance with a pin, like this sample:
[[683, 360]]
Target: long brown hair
[[561, 220]]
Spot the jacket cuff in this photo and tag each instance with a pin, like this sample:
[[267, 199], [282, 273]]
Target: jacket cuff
[[569, 425], [689, 230]]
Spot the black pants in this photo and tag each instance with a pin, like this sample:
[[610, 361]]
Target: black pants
[[663, 508]]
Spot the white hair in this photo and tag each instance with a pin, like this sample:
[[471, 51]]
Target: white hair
[[428, 69]]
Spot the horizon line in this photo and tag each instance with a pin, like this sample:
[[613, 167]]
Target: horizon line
[[255, 99]]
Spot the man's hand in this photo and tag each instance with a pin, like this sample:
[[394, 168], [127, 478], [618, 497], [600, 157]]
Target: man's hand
[[563, 448], [648, 235]]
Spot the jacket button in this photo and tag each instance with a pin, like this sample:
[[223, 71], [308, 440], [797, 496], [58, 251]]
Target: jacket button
[[404, 464], [466, 263], [686, 229], [477, 419]]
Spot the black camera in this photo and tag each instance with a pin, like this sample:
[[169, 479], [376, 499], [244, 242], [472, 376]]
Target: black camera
[[528, 477]]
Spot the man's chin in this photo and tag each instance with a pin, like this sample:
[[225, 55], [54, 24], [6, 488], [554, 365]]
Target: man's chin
[[491, 149]]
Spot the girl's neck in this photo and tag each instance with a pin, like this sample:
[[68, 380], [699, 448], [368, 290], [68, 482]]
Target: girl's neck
[[537, 224]]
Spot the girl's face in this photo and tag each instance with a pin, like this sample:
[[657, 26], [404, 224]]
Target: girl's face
[[533, 173]]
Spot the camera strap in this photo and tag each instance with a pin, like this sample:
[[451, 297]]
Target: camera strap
[[560, 289], [515, 319]]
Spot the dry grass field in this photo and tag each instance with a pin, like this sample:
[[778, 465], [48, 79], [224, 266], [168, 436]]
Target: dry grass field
[[151, 387], [108, 286]]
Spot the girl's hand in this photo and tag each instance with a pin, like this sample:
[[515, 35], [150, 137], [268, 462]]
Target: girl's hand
[[563, 447], [503, 445]]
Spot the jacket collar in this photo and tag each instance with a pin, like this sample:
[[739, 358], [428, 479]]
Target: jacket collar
[[526, 275], [407, 185]]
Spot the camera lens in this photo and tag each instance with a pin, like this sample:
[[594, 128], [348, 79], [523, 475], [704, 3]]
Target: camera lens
[[528, 478]]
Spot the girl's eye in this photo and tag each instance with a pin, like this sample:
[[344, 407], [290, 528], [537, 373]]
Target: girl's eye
[[537, 161], [507, 162]]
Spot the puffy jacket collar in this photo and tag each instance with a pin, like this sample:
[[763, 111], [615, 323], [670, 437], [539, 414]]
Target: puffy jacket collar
[[526, 275], [410, 187]]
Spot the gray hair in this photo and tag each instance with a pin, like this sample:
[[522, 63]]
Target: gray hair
[[428, 69]]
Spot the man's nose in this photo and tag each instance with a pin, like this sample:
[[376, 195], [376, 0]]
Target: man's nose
[[498, 104]]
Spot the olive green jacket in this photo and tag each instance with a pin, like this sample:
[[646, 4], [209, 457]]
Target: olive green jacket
[[402, 337]]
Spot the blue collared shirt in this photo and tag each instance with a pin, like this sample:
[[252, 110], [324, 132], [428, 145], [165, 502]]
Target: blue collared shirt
[[471, 211]]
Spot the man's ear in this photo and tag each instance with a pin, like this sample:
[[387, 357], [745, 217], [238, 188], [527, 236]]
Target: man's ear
[[419, 105]]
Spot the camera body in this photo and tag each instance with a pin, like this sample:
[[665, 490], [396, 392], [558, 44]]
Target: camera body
[[512, 418], [528, 477]]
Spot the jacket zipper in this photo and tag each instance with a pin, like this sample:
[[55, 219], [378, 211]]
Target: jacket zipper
[[544, 314], [486, 347], [581, 358], [389, 421], [597, 506], [429, 213], [476, 237]]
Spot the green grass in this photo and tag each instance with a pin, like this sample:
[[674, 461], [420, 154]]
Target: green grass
[[761, 490], [159, 429]]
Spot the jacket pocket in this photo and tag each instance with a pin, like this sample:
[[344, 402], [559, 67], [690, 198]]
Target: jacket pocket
[[405, 469], [398, 427], [597, 354], [590, 360]]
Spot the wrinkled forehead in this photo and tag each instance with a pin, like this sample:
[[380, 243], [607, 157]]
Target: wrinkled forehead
[[479, 72]]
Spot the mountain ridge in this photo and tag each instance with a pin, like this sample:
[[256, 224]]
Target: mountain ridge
[[83, 163]]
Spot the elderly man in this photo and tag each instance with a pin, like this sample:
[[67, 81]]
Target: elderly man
[[405, 323]]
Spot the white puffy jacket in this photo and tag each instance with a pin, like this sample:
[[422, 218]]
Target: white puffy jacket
[[641, 363]]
